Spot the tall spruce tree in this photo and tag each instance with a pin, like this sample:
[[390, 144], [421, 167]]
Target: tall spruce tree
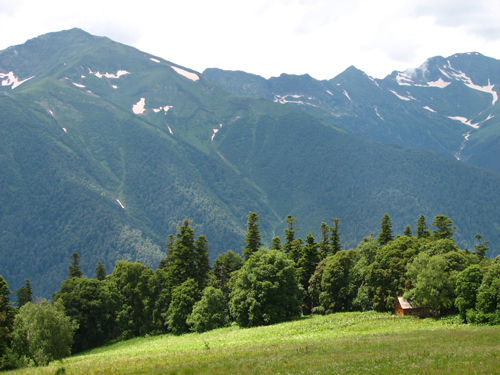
[[24, 294], [480, 248], [252, 236], [100, 271], [335, 244], [202, 262], [324, 243], [276, 243], [6, 317], [182, 257], [422, 228], [407, 231], [74, 268], [289, 234], [385, 235], [444, 227]]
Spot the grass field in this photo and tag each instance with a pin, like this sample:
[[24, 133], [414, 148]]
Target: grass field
[[353, 343]]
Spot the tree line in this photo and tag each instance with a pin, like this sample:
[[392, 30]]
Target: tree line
[[268, 285]]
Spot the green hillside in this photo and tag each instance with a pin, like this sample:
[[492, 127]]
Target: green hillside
[[347, 343]]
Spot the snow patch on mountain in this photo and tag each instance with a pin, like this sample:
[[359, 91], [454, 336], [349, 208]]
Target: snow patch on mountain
[[11, 79], [346, 94], [399, 96], [64, 130], [138, 108], [154, 60], [165, 108], [283, 100], [439, 83], [404, 79], [461, 76], [378, 114], [215, 130], [463, 120], [120, 203], [118, 74], [114, 86], [185, 73], [170, 130], [328, 91], [78, 84], [429, 109]]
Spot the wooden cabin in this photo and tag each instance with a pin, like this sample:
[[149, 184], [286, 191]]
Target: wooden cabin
[[404, 307]]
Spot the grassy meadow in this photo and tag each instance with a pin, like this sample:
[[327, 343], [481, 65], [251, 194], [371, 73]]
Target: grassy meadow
[[353, 343]]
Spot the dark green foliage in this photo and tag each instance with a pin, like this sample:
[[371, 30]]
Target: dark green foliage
[[444, 227], [480, 247], [432, 285], [225, 264], [186, 259], [276, 243], [24, 294], [422, 228], [335, 237], [407, 232], [74, 268], [160, 296], [289, 234], [467, 285], [100, 271], [265, 290], [386, 276], [184, 297], [324, 244], [43, 332], [306, 265], [131, 281], [337, 285], [210, 312], [202, 265], [93, 305], [6, 317], [487, 309], [252, 236], [385, 235]]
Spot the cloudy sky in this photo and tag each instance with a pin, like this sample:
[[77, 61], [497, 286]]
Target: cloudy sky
[[270, 37]]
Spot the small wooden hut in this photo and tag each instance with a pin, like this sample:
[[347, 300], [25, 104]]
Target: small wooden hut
[[404, 307]]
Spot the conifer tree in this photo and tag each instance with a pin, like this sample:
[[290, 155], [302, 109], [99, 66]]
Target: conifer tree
[[202, 262], [170, 245], [481, 248], [6, 317], [74, 268], [422, 228], [100, 271], [252, 236], [385, 234], [444, 227], [289, 234], [276, 243], [181, 260], [407, 231], [335, 244], [24, 294], [324, 244]]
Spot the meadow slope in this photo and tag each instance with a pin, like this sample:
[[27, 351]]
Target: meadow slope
[[354, 343]]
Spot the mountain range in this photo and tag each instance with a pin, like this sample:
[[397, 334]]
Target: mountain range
[[105, 149]]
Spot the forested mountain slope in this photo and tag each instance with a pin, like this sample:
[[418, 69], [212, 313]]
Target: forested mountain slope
[[448, 105], [106, 149]]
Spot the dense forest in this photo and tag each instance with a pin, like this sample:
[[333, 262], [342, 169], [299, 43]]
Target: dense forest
[[287, 278]]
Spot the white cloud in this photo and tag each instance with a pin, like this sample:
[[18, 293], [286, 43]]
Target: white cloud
[[269, 37]]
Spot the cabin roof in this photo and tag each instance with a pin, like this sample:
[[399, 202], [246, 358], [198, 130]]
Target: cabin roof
[[405, 304]]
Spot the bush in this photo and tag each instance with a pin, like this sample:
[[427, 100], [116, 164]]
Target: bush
[[43, 332], [265, 290], [210, 312]]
